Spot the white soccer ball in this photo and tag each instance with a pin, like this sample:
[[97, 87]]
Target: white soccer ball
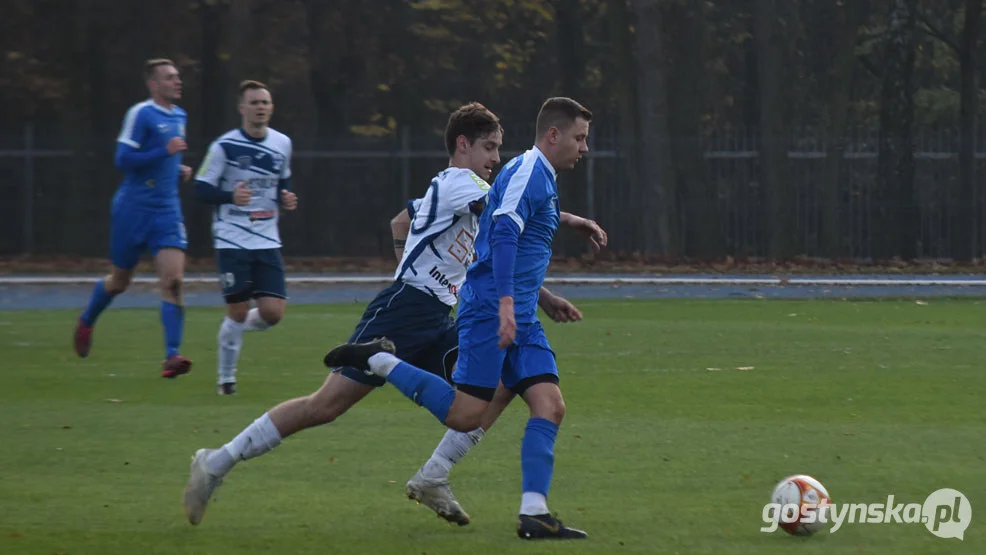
[[804, 504]]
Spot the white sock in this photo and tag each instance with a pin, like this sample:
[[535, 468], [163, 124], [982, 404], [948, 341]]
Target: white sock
[[450, 451], [254, 322], [230, 341], [533, 504], [256, 439], [382, 364]]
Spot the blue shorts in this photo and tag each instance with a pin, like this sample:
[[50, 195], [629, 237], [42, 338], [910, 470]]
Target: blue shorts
[[248, 274], [134, 231], [419, 324], [482, 364]]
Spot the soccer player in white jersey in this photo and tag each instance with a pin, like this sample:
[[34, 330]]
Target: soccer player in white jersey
[[501, 340], [415, 311], [247, 177]]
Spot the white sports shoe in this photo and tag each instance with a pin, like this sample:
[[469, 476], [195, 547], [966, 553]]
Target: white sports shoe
[[201, 485], [436, 495]]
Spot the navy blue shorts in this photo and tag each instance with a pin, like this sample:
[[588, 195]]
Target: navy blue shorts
[[249, 274], [420, 325], [134, 231]]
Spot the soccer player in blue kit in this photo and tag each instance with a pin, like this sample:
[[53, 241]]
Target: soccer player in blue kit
[[500, 337], [146, 212]]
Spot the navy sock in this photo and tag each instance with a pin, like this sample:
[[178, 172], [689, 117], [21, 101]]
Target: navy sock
[[424, 388], [98, 302], [537, 455], [173, 320]]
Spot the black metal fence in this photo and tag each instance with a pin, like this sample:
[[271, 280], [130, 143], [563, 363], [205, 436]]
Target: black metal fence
[[59, 191]]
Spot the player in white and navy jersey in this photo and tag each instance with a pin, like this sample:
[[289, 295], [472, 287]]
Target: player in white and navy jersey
[[501, 341], [146, 213], [246, 175], [433, 240]]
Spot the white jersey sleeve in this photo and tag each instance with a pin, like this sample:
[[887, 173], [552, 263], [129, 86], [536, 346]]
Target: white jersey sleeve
[[465, 189], [211, 170]]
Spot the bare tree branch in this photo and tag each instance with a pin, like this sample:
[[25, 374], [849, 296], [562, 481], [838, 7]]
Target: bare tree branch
[[930, 28]]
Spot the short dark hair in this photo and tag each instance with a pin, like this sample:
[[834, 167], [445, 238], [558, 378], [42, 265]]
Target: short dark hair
[[150, 66], [251, 85], [560, 112], [473, 121]]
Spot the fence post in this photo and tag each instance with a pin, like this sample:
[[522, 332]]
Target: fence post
[[405, 164], [28, 229]]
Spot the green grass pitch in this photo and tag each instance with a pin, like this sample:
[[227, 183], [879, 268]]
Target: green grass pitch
[[667, 447]]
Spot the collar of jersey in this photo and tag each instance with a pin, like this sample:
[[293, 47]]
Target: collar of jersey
[[544, 159], [251, 139], [169, 111]]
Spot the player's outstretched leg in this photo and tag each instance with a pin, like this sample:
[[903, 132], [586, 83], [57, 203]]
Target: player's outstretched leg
[[423, 388], [102, 295], [210, 466], [430, 484]]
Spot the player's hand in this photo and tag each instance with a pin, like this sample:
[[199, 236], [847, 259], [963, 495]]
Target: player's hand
[[186, 173], [560, 309], [289, 200], [508, 323], [242, 195], [595, 234], [176, 145]]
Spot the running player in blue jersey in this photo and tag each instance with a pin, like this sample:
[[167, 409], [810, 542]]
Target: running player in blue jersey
[[146, 212], [500, 337]]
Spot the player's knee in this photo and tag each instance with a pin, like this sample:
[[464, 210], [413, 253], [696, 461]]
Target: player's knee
[[271, 315], [117, 283], [172, 286], [463, 422], [237, 312], [550, 408]]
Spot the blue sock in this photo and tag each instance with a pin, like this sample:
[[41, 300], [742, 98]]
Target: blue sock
[[537, 455], [425, 389], [173, 320], [98, 302]]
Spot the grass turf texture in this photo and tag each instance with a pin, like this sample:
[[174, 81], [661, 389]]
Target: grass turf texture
[[666, 448]]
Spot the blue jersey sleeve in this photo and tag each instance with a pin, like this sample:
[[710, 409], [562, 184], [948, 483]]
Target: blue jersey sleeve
[[522, 196], [503, 242], [133, 133], [129, 155]]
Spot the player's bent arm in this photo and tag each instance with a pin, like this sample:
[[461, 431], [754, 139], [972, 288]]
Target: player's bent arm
[[571, 220], [210, 194], [128, 158], [400, 227], [284, 184]]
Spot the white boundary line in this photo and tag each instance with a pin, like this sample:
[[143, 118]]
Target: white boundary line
[[571, 280]]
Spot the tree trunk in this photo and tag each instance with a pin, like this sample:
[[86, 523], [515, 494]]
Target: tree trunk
[[657, 195], [771, 77], [570, 40], [895, 215], [240, 50], [848, 22], [211, 120], [964, 244], [624, 80], [687, 33]]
